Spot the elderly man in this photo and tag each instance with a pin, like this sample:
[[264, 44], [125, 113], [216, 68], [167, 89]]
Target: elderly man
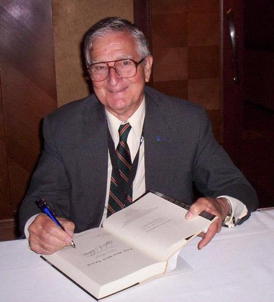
[[103, 152]]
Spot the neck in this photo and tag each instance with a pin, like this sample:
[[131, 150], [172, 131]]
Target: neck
[[123, 116]]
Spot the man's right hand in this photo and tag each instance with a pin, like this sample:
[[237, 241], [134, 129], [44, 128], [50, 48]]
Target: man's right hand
[[45, 237]]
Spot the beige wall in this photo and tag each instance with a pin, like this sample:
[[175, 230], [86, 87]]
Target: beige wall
[[71, 19]]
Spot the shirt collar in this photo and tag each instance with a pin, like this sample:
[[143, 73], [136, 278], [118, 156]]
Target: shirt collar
[[136, 121]]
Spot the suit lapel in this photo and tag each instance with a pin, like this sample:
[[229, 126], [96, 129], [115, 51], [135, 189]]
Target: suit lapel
[[95, 151], [157, 142]]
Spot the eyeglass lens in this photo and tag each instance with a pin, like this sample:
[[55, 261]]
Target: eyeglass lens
[[124, 68]]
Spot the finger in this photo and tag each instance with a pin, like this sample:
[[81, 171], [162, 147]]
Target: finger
[[200, 205], [194, 210], [36, 248], [45, 237], [48, 231], [211, 232], [46, 244], [68, 225], [56, 236], [39, 246], [202, 235]]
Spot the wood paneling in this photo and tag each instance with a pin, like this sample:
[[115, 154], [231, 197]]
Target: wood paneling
[[142, 16], [185, 36], [168, 29], [259, 76], [232, 77], [28, 92], [7, 229], [259, 52], [170, 64], [203, 62], [5, 206]]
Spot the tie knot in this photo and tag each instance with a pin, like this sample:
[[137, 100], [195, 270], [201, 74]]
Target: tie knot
[[124, 131]]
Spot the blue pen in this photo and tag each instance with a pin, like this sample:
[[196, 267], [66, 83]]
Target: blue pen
[[46, 210]]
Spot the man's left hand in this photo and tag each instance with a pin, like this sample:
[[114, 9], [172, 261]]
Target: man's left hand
[[220, 207]]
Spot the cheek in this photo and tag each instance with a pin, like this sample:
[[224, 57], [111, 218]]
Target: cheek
[[100, 93], [99, 88]]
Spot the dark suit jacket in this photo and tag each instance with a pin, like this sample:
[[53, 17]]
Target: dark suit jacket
[[179, 151]]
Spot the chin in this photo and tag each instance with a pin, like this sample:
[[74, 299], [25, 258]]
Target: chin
[[119, 110], [118, 104]]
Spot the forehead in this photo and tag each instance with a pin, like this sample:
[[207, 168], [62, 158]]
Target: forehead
[[113, 46]]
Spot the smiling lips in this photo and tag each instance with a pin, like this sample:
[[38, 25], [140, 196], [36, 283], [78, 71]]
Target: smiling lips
[[117, 90]]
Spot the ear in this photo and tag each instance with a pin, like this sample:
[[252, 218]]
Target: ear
[[148, 67]]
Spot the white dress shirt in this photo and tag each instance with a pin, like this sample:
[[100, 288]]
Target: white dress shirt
[[134, 141]]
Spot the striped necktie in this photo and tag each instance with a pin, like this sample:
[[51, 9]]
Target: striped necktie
[[120, 194]]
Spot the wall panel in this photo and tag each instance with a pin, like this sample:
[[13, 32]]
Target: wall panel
[[71, 19], [27, 92]]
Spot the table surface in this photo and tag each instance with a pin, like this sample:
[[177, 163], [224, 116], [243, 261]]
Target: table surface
[[238, 265]]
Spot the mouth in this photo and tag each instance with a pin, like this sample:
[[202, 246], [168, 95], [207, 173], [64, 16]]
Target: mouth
[[116, 91]]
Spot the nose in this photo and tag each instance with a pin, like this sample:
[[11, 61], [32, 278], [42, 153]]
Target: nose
[[113, 76]]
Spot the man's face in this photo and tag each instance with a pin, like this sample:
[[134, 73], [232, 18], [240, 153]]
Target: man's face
[[120, 96]]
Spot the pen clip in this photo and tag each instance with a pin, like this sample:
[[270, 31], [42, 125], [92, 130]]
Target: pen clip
[[45, 207], [41, 203]]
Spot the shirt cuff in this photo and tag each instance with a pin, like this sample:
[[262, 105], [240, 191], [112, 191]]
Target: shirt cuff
[[238, 211], [28, 223]]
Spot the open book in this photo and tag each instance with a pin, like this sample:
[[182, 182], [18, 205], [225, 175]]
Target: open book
[[133, 245]]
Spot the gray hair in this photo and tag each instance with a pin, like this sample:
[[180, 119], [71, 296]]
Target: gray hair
[[114, 24]]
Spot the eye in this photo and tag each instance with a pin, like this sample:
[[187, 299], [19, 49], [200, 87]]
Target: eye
[[126, 63], [100, 67]]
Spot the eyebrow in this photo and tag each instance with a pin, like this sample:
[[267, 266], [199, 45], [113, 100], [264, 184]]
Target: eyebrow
[[121, 58]]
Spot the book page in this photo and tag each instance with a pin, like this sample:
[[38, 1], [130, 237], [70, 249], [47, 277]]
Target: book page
[[103, 264], [155, 225]]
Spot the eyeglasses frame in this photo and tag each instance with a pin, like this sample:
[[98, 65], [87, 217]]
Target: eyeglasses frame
[[114, 61]]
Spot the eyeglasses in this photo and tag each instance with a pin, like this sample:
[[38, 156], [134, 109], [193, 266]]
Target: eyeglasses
[[125, 68]]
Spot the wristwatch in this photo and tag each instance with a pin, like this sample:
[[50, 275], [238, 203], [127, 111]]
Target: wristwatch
[[229, 221]]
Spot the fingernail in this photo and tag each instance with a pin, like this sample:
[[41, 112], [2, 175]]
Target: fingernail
[[189, 215]]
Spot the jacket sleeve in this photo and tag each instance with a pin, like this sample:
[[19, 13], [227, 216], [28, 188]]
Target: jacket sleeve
[[214, 172], [49, 181]]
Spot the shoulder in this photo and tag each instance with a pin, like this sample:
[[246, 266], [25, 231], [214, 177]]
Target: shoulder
[[174, 108], [73, 109], [71, 120], [74, 112]]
